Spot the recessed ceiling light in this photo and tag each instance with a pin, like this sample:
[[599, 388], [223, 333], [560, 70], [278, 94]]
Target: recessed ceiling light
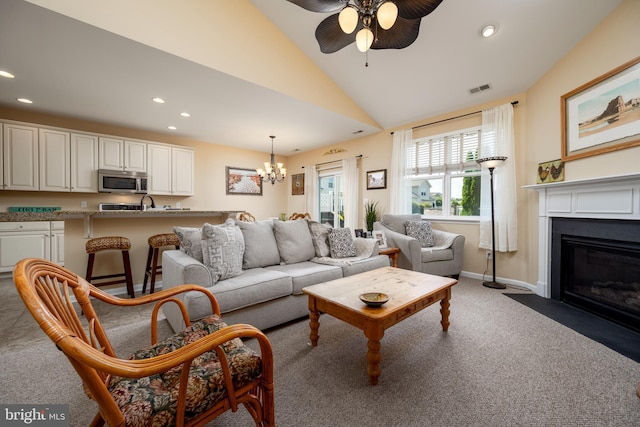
[[172, 127], [488, 30], [158, 100], [185, 114], [25, 101], [6, 74]]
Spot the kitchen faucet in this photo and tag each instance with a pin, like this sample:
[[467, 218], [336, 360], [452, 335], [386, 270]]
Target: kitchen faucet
[[153, 204]]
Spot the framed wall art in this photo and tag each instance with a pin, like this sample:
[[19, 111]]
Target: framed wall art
[[243, 181], [550, 172], [297, 184], [602, 115], [377, 179]]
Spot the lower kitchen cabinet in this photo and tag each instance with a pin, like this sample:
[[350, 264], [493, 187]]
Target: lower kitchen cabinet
[[30, 239]]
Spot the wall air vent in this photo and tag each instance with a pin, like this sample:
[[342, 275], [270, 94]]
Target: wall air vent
[[479, 88]]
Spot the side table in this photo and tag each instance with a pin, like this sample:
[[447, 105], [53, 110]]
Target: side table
[[392, 253]]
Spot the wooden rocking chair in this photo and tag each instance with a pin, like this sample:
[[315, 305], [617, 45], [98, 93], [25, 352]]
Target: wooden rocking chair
[[186, 380]]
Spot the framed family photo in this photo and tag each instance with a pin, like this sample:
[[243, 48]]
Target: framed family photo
[[376, 179], [243, 181], [380, 237], [602, 115]]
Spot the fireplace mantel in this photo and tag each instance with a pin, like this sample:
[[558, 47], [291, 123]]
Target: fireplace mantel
[[611, 197]]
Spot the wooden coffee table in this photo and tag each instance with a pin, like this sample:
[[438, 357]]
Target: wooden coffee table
[[409, 292]]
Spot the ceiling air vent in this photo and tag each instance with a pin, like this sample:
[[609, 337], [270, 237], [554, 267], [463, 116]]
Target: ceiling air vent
[[479, 88]]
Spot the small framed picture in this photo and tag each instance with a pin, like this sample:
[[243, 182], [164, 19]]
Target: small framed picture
[[243, 181], [550, 172], [359, 232], [380, 237], [377, 179], [297, 184]]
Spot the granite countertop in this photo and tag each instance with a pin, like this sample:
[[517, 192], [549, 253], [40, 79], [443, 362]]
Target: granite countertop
[[71, 214]]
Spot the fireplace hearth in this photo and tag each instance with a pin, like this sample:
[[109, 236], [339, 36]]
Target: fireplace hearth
[[595, 265]]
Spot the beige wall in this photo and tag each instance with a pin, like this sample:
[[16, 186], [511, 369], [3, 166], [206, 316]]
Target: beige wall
[[537, 117]]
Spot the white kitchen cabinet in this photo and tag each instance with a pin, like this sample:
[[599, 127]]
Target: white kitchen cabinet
[[120, 154], [159, 169], [68, 161], [54, 160], [20, 157], [57, 242], [170, 170], [30, 239], [20, 240], [182, 170], [84, 163]]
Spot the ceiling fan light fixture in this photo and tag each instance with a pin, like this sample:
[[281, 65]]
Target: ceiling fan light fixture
[[387, 15], [348, 19], [364, 39]]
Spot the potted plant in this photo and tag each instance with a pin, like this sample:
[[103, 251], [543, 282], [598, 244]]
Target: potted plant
[[371, 214]]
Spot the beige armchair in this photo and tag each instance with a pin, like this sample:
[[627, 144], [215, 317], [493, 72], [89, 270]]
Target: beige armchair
[[444, 258]]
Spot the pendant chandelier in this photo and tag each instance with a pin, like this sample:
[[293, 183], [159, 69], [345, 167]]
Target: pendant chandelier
[[372, 24], [272, 171]]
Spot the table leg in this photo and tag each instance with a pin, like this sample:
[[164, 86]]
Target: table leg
[[444, 310], [374, 334], [314, 324]]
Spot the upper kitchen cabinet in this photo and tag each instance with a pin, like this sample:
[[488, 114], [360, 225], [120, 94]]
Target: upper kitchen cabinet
[[120, 154], [68, 161], [20, 157], [170, 170], [84, 163]]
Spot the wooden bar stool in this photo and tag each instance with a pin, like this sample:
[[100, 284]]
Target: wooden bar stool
[[110, 243], [152, 269]]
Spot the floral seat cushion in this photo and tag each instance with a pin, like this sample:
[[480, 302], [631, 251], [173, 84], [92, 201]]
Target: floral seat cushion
[[152, 400]]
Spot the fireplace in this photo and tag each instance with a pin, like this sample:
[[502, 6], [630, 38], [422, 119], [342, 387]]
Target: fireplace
[[595, 265]]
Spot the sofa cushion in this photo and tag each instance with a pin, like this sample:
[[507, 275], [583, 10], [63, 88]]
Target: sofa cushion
[[260, 246], [294, 241], [320, 236], [431, 255], [252, 287], [190, 241], [396, 222], [222, 249], [308, 273], [421, 231], [341, 243]]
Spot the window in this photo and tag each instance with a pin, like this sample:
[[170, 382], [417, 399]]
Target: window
[[444, 175], [331, 199]]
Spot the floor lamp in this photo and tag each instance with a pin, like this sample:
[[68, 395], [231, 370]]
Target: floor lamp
[[491, 163]]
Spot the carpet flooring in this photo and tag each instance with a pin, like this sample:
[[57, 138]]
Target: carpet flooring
[[500, 364], [618, 338]]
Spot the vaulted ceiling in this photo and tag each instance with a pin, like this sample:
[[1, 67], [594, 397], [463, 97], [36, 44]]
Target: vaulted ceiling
[[247, 69]]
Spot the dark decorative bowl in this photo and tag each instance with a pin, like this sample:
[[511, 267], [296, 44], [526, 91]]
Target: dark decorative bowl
[[374, 299]]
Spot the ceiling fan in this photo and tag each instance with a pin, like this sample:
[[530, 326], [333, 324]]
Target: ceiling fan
[[372, 24]]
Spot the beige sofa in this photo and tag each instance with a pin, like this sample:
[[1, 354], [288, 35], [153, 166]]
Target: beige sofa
[[443, 258], [278, 260]]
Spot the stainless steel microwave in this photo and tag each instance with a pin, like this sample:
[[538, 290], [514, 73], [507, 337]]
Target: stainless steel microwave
[[116, 181]]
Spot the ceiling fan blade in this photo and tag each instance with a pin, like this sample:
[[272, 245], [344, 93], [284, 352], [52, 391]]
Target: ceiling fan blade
[[414, 9], [402, 34], [325, 6], [330, 36]]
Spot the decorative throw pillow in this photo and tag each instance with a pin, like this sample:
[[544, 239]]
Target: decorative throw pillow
[[320, 236], [190, 241], [421, 231], [222, 249], [294, 241], [260, 247], [341, 243]]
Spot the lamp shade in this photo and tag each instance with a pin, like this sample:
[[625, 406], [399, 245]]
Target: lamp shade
[[491, 162], [348, 19], [387, 15], [364, 39]]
